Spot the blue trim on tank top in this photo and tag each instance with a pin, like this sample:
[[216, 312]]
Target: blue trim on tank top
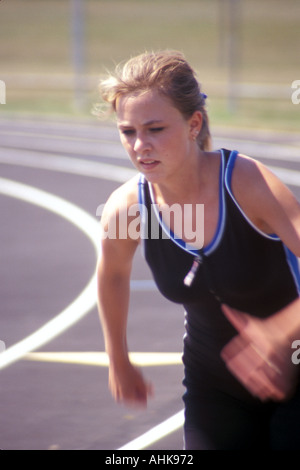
[[225, 179], [221, 218]]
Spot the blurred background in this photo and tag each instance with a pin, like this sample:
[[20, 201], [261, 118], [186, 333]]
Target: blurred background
[[246, 53]]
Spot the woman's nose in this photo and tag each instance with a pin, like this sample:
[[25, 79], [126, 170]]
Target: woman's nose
[[141, 145]]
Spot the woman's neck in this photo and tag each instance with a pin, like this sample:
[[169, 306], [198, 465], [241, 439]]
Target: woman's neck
[[192, 183]]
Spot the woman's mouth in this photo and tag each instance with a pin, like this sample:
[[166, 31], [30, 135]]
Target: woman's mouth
[[148, 164]]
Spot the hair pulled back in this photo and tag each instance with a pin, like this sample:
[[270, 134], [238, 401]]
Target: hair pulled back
[[170, 74]]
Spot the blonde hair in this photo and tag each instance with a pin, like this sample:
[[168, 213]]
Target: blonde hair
[[171, 75]]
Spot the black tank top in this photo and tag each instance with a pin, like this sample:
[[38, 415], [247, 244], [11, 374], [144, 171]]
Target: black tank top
[[241, 267]]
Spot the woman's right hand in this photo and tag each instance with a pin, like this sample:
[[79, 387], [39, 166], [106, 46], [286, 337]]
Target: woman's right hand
[[128, 385], [126, 381]]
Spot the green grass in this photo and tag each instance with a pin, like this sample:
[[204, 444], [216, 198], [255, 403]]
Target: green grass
[[35, 39], [257, 114]]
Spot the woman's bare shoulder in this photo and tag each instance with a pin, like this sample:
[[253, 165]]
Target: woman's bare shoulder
[[251, 176], [265, 199], [120, 219], [123, 197]]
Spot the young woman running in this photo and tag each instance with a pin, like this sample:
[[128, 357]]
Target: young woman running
[[238, 281]]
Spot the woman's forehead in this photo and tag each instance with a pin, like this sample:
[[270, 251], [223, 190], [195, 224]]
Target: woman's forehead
[[150, 105]]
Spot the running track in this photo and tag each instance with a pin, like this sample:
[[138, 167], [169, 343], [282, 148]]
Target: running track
[[53, 393]]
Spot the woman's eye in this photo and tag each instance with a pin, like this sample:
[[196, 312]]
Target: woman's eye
[[131, 132], [157, 129], [128, 132]]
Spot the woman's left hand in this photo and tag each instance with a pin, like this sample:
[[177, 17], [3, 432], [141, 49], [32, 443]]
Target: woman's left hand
[[260, 356]]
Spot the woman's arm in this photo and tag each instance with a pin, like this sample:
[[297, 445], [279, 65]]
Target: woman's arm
[[260, 356], [114, 269]]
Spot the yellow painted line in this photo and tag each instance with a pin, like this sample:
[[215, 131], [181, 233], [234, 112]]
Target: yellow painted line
[[101, 359]]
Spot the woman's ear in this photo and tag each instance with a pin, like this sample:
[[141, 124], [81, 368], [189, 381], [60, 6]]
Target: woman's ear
[[195, 123]]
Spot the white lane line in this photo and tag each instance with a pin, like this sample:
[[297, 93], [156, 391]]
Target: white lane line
[[87, 298], [289, 177], [265, 150], [86, 301], [80, 306], [100, 170], [158, 432], [107, 141], [66, 165], [59, 137]]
